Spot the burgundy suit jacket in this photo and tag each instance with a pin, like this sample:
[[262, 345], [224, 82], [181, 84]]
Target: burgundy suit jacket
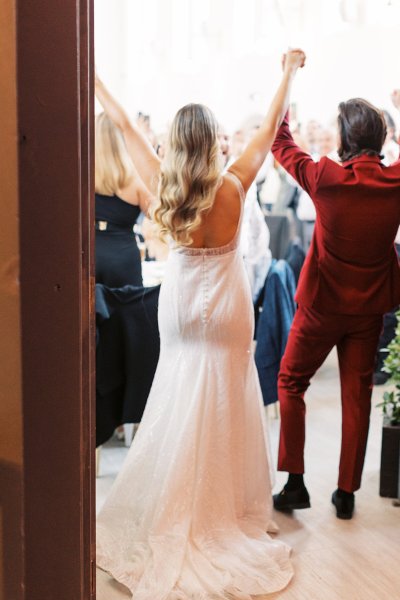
[[352, 265]]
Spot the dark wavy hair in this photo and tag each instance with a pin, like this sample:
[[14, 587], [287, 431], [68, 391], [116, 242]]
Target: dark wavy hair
[[362, 129]]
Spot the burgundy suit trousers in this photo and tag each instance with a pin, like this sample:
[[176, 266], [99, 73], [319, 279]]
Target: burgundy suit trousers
[[312, 337]]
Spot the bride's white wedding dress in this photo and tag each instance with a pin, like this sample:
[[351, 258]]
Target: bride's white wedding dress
[[188, 514]]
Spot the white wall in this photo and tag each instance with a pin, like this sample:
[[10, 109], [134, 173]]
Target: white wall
[[156, 55]]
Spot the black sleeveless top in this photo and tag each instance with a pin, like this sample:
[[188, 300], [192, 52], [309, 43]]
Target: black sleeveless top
[[116, 211], [118, 260]]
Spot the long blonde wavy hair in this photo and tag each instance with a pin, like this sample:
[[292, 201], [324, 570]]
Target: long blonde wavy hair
[[190, 173], [113, 165]]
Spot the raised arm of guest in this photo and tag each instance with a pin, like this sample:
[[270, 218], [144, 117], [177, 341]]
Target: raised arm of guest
[[249, 163], [115, 172], [141, 151]]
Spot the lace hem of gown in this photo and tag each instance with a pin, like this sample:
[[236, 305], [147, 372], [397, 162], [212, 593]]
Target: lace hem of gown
[[169, 568]]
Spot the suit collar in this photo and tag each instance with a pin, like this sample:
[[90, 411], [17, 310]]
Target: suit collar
[[364, 158]]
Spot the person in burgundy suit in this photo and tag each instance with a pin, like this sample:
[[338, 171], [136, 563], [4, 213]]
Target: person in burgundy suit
[[351, 277]]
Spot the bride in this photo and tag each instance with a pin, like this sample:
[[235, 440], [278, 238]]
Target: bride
[[188, 515]]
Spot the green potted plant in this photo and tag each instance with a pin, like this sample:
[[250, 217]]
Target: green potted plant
[[389, 476]]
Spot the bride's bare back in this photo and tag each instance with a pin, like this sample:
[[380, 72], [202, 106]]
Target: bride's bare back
[[220, 224]]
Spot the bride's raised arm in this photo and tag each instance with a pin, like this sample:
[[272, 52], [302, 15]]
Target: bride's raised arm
[[141, 151], [249, 163]]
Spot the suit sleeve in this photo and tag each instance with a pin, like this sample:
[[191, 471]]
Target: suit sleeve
[[294, 160]]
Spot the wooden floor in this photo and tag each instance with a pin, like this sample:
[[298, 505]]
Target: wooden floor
[[333, 559]]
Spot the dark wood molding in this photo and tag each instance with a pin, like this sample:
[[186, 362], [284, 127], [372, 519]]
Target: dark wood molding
[[55, 115]]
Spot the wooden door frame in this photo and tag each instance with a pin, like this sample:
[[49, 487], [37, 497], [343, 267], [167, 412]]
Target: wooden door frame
[[54, 499]]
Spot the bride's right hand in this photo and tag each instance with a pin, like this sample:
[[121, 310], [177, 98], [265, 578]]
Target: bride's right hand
[[293, 60]]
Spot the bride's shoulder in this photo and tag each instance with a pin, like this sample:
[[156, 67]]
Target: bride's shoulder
[[227, 200], [231, 181]]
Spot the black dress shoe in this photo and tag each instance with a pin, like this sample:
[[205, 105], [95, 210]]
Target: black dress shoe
[[380, 377], [344, 504], [292, 499]]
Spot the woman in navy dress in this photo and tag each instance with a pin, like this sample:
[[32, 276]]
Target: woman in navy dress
[[120, 198]]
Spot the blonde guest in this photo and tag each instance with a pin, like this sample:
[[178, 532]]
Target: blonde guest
[[120, 197]]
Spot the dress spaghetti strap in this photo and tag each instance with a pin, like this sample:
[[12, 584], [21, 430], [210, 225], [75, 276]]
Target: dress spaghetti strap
[[238, 184]]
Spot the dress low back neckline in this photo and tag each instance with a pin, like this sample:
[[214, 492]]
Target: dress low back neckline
[[233, 243]]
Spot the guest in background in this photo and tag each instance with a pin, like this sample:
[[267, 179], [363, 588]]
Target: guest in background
[[270, 190], [254, 243], [144, 123], [120, 197], [255, 236], [390, 148], [225, 145], [262, 173], [312, 132], [326, 144], [297, 203], [238, 142], [395, 96], [160, 147]]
